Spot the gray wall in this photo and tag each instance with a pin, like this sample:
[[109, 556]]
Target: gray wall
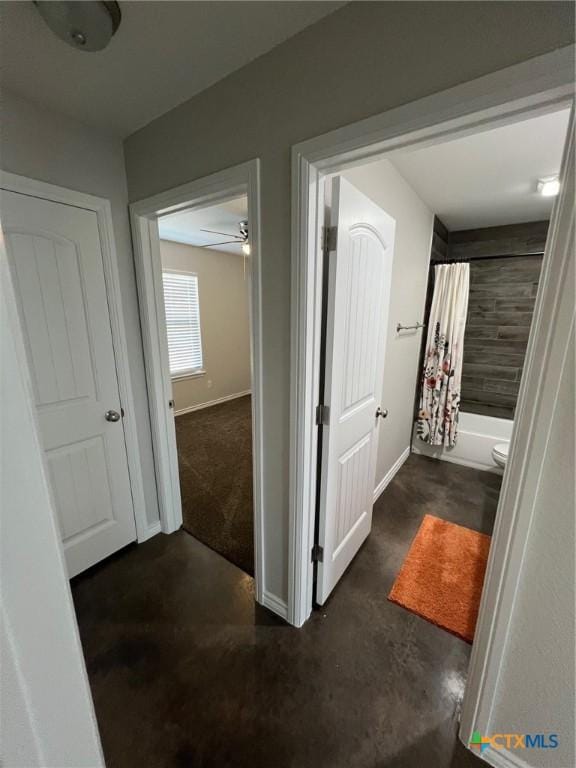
[[535, 692], [383, 184], [361, 60], [50, 147]]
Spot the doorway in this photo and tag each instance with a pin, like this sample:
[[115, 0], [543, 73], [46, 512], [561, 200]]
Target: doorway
[[341, 153], [205, 273], [226, 471], [481, 261]]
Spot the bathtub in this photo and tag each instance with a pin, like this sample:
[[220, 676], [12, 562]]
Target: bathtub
[[477, 435]]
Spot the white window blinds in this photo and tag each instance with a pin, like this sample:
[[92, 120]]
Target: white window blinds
[[182, 323]]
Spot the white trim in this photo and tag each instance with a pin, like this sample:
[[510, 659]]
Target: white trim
[[149, 281], [103, 210], [210, 403], [242, 179], [526, 457], [275, 604], [534, 87], [540, 85], [151, 530], [389, 476]]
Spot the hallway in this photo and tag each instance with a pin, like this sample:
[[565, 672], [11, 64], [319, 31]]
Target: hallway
[[186, 671]]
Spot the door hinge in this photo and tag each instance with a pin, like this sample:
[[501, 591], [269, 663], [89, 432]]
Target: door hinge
[[170, 403], [317, 554], [330, 239], [322, 415]]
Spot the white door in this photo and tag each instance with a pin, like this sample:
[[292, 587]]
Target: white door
[[56, 259], [359, 273]]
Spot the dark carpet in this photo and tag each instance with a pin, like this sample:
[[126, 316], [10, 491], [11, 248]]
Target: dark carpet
[[187, 672], [215, 462]]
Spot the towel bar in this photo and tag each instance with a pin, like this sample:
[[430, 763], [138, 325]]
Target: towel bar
[[401, 327]]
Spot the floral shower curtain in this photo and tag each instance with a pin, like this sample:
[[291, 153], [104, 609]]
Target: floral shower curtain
[[442, 372]]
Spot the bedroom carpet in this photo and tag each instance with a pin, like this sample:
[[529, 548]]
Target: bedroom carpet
[[215, 462], [442, 576]]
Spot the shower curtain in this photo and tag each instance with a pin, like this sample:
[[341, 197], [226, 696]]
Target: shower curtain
[[442, 370]]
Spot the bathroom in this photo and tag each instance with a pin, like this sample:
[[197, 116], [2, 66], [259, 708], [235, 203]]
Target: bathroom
[[504, 270], [471, 218], [498, 229]]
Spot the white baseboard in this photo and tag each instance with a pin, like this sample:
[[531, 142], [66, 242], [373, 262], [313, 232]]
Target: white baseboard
[[503, 758], [390, 474], [274, 604], [224, 399], [151, 530]]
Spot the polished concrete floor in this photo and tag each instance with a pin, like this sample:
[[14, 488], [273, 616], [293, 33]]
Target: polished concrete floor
[[187, 672]]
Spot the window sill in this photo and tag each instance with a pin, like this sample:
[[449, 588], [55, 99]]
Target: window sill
[[190, 375]]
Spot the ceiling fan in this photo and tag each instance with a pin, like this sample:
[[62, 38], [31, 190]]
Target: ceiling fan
[[240, 239]]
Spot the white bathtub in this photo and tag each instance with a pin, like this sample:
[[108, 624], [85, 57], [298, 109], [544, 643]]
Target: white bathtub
[[477, 435]]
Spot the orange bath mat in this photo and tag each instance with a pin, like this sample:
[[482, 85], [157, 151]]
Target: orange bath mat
[[441, 578]]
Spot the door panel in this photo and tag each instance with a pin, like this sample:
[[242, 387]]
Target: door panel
[[56, 259], [48, 275], [358, 295]]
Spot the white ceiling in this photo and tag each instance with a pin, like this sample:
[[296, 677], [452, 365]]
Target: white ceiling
[[489, 178], [162, 54], [185, 227]]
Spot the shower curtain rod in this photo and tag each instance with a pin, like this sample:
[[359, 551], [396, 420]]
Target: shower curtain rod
[[468, 259]]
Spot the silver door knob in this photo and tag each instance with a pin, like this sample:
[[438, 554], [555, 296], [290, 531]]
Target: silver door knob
[[112, 416], [381, 413]]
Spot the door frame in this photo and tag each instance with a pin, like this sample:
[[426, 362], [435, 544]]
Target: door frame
[[534, 87], [216, 188], [23, 185]]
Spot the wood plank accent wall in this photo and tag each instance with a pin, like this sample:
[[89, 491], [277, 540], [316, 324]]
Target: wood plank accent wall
[[440, 238], [512, 239], [502, 296]]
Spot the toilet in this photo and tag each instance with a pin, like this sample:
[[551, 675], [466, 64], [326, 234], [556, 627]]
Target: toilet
[[500, 454]]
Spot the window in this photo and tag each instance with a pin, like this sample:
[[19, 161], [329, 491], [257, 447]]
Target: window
[[182, 323]]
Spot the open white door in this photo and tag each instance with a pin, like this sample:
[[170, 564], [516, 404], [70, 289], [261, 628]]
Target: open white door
[[360, 269], [55, 254]]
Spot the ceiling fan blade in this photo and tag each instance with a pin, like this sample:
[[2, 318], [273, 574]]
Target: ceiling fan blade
[[216, 232], [213, 245]]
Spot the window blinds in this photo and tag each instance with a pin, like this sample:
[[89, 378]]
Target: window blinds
[[182, 322]]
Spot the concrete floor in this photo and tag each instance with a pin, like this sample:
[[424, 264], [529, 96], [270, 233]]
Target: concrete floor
[[187, 672]]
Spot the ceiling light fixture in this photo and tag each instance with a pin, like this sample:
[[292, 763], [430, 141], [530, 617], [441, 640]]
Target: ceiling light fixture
[[549, 187], [87, 25]]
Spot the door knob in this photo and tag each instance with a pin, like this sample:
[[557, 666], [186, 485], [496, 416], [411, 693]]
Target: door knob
[[381, 413], [112, 416]]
